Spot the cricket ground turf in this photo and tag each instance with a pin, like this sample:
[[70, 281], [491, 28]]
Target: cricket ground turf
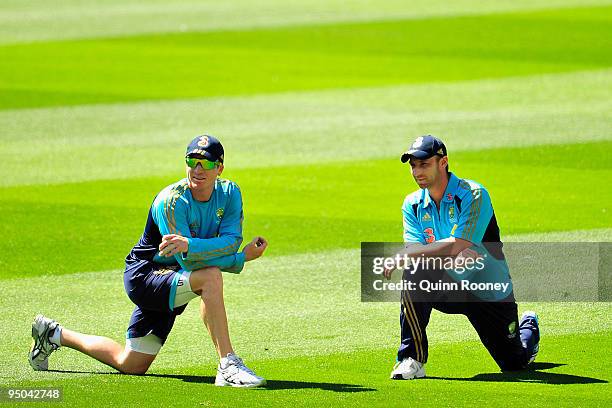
[[314, 102]]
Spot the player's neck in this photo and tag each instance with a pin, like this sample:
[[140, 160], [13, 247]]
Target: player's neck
[[437, 192], [202, 194]]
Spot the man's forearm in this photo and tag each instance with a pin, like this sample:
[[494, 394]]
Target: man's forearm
[[443, 247], [203, 249], [230, 263]]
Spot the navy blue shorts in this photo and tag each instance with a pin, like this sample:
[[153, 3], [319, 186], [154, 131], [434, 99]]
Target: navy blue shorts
[[151, 287]]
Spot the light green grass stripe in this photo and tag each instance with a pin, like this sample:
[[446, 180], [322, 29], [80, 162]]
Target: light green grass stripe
[[302, 127], [283, 307], [593, 235], [571, 371], [43, 20]]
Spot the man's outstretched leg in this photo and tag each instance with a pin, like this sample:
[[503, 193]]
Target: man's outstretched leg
[[48, 336], [208, 283], [512, 345]]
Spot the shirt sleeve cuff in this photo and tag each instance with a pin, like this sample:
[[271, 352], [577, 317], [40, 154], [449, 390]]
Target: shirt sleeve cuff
[[185, 255], [240, 259]]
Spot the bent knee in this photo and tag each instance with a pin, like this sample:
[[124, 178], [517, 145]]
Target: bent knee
[[134, 370], [134, 362], [206, 280]]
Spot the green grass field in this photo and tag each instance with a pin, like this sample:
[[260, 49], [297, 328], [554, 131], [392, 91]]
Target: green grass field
[[314, 102]]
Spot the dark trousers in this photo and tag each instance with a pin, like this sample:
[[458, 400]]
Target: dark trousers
[[495, 322]]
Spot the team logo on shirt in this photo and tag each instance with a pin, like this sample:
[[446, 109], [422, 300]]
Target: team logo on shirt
[[449, 196], [451, 213], [426, 217], [220, 212]]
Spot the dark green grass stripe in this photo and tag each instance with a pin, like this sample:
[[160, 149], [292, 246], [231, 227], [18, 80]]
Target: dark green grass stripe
[[558, 35], [91, 226], [303, 58]]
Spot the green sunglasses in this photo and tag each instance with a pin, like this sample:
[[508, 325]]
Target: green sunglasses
[[206, 164]]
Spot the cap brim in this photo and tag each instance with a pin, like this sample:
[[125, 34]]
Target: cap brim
[[417, 154], [206, 154]]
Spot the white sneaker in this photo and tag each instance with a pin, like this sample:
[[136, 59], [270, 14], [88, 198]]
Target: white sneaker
[[42, 347], [232, 372], [408, 369]]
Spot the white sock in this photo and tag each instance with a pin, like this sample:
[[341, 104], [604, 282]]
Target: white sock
[[56, 336], [224, 361]]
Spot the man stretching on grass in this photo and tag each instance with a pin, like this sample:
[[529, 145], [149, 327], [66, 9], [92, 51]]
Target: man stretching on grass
[[193, 232], [453, 218]]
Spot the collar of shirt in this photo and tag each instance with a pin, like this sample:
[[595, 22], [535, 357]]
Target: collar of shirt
[[449, 193]]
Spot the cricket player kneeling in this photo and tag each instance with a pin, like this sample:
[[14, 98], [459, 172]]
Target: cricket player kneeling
[[446, 217], [193, 233]]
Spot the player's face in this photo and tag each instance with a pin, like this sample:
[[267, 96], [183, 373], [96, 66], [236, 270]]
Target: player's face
[[201, 179], [428, 173]]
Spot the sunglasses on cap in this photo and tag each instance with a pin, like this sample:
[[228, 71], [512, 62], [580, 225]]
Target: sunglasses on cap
[[206, 164]]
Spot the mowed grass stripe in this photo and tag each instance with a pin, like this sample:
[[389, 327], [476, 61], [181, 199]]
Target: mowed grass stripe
[[193, 65], [92, 226], [591, 235], [302, 127], [71, 19], [291, 334], [279, 307], [564, 375]]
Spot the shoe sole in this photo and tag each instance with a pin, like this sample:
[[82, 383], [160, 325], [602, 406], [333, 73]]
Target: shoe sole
[[228, 384], [36, 343], [35, 346], [414, 377]]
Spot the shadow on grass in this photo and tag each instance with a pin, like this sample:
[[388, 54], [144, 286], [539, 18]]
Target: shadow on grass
[[271, 385], [532, 374], [275, 384]]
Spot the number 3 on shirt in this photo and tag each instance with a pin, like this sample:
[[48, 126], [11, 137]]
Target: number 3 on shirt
[[429, 235]]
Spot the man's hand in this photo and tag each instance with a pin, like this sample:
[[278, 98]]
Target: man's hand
[[389, 271], [468, 254], [172, 244], [255, 248], [461, 259]]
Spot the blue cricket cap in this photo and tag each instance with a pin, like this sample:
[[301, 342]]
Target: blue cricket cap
[[423, 148], [207, 146]]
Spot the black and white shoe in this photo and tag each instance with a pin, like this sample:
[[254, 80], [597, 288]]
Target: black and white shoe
[[232, 372], [408, 369], [42, 347]]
